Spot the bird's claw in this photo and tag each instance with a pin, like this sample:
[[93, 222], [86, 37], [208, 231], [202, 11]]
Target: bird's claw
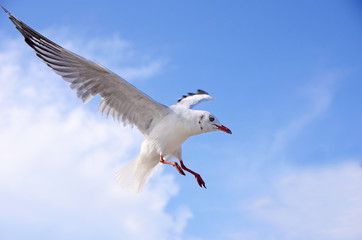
[[200, 181]]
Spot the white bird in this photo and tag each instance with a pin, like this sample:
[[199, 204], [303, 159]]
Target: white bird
[[164, 128]]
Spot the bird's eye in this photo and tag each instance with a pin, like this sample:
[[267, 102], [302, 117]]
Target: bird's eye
[[211, 118]]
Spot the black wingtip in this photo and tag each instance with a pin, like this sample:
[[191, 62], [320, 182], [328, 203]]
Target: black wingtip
[[5, 10], [199, 91]]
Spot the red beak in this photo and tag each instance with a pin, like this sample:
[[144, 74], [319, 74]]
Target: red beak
[[223, 128]]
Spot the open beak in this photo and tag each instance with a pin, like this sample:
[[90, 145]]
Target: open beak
[[223, 128]]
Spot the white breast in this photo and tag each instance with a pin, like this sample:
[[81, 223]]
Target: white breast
[[168, 134]]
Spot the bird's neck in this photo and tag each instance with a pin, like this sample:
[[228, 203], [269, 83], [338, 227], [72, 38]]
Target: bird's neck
[[191, 122]]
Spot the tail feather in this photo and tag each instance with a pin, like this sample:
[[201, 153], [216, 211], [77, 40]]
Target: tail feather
[[136, 174]]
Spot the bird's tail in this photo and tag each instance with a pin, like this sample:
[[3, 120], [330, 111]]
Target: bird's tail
[[136, 174]]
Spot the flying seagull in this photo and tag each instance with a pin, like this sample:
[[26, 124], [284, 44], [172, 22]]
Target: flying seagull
[[164, 128]]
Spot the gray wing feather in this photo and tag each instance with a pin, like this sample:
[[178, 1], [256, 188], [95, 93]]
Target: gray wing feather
[[120, 99]]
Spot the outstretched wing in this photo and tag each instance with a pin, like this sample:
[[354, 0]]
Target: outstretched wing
[[120, 99], [191, 99]]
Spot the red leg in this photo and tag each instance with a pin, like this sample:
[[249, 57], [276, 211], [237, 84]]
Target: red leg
[[197, 176], [173, 164]]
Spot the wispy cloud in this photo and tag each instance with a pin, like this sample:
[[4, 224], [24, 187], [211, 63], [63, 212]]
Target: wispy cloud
[[144, 71], [318, 95], [58, 159], [315, 202], [311, 204]]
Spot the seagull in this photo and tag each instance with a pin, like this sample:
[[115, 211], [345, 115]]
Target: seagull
[[164, 128]]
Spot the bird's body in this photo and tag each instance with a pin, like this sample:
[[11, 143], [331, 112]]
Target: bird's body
[[164, 128], [180, 124]]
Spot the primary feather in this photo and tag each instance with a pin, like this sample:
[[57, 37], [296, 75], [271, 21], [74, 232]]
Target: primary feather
[[192, 99], [120, 99]]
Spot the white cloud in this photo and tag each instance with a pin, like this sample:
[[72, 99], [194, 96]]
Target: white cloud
[[319, 95], [144, 71], [58, 159], [316, 202], [312, 204]]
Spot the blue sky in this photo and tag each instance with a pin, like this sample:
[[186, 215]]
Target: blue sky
[[286, 76]]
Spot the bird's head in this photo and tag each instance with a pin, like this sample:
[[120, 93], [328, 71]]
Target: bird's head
[[208, 123]]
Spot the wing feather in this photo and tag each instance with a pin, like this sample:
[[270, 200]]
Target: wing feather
[[192, 99], [120, 99]]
